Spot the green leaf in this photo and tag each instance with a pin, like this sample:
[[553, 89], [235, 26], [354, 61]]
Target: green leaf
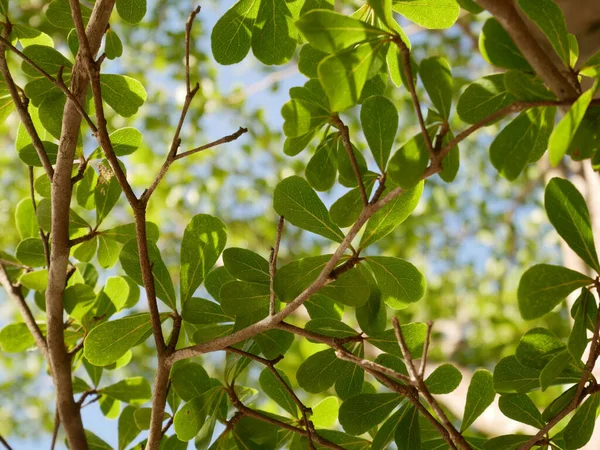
[[521, 408], [579, 430], [109, 341], [506, 442], [30, 252], [384, 221], [240, 298], [200, 311], [274, 37], [125, 141], [143, 416], [203, 241], [372, 316], [301, 118], [319, 371], [299, 204], [325, 412], [274, 343], [400, 282], [319, 307], [565, 130], [362, 412], [246, 265], [208, 332], [544, 286], [386, 432], [379, 120], [51, 113], [78, 299], [128, 429], [556, 367], [16, 338], [108, 252], [549, 18], [36, 281], [59, 14], [47, 58], [95, 443], [559, 403], [351, 379], [130, 261], [123, 94], [512, 376], [347, 176], [408, 432], [408, 164], [346, 209], [215, 280], [86, 187], [231, 35], [124, 233], [113, 47], [433, 14], [135, 391], [498, 49], [483, 98], [190, 380], [414, 336], [436, 76], [30, 36], [330, 327], [344, 74], [42, 186], [331, 32], [321, 169], [350, 288], [584, 307], [106, 192], [131, 11], [451, 162], [480, 395], [25, 219], [383, 11], [444, 379], [526, 86], [273, 387], [568, 213], [537, 347], [308, 61], [514, 146], [190, 417]]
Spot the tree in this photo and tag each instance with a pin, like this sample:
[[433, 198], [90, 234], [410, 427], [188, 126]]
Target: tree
[[324, 309]]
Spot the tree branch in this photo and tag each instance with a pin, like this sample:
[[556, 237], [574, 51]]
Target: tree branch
[[4, 443], [273, 265]]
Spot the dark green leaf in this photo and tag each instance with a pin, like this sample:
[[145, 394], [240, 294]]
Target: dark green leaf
[[526, 86], [537, 347], [498, 48], [273, 387], [506, 442], [385, 434], [544, 286], [579, 430], [512, 376], [483, 98], [274, 343], [124, 233], [123, 94], [408, 432], [414, 336], [131, 11], [231, 35], [47, 58], [128, 430], [246, 265], [106, 192], [135, 391], [321, 169], [362, 412], [59, 14], [436, 75], [215, 280], [372, 316], [240, 298], [200, 311], [521, 408], [379, 120], [309, 59], [584, 312], [190, 380], [319, 371], [444, 379], [113, 47], [480, 395]]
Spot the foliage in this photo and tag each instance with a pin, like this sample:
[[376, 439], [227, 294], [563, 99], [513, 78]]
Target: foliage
[[360, 383]]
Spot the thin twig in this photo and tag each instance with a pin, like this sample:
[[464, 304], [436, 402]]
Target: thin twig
[[3, 442], [345, 136], [223, 140], [425, 350], [273, 265], [167, 426], [55, 429]]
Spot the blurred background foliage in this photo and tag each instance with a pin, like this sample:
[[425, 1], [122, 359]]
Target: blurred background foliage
[[472, 238]]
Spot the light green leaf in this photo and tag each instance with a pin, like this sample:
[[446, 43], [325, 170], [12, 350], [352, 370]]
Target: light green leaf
[[344, 74], [325, 412], [131, 11], [47, 58], [521, 408], [203, 241], [163, 284], [444, 379], [113, 47], [331, 32], [36, 281], [231, 36], [128, 429], [125, 141], [240, 298], [200, 311], [414, 336], [436, 76], [143, 416], [483, 98], [362, 412], [514, 146], [190, 417], [30, 252], [25, 219], [383, 11], [407, 166], [123, 94], [346, 209], [30, 36], [548, 16], [299, 204], [246, 265], [433, 14], [544, 286], [379, 120], [319, 371], [16, 338], [135, 391], [384, 221], [537, 347], [274, 36], [109, 341], [108, 252], [273, 387], [321, 169], [579, 430], [190, 380], [568, 213], [400, 282], [59, 14], [565, 130], [215, 280], [480, 395], [106, 192], [78, 299], [372, 316], [309, 59], [124, 233], [498, 49]]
